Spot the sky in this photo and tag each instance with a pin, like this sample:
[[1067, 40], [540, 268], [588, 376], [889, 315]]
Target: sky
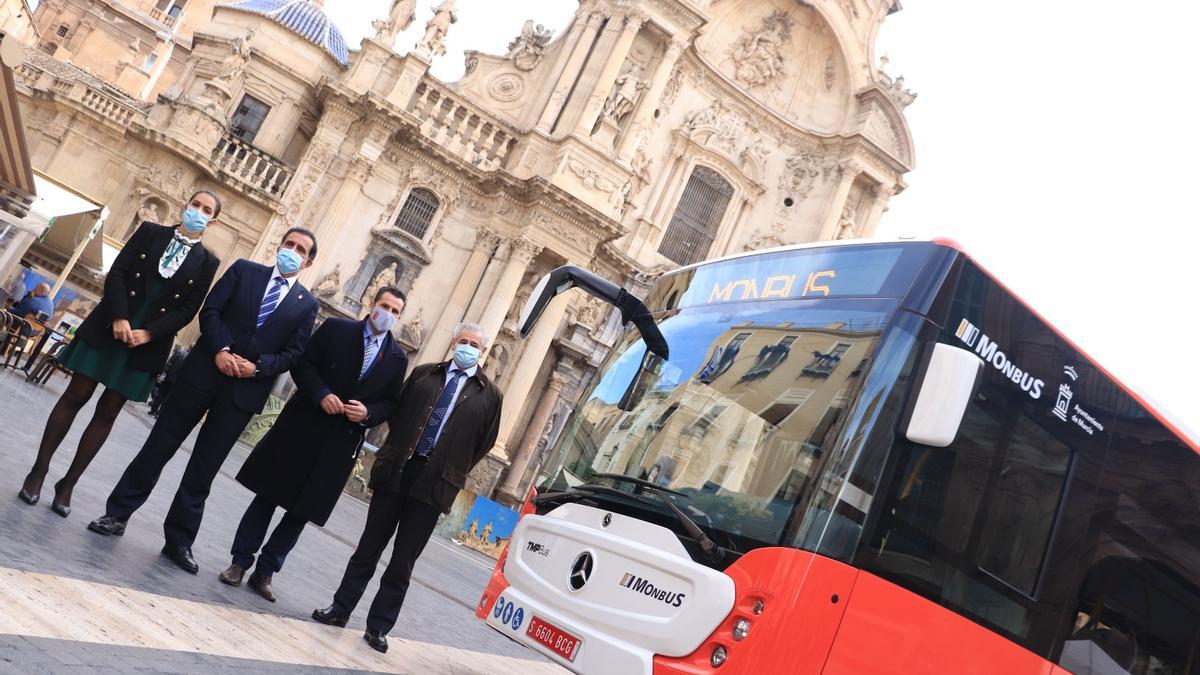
[[1053, 141]]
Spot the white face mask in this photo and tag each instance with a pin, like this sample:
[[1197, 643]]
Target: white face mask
[[382, 320]]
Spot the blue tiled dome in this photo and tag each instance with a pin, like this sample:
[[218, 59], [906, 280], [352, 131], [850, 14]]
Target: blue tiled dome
[[305, 19]]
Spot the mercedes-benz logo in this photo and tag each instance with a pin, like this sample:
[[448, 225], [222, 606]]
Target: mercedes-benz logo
[[607, 520], [581, 571]]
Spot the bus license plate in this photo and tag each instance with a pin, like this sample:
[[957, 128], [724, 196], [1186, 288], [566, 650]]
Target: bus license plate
[[562, 643]]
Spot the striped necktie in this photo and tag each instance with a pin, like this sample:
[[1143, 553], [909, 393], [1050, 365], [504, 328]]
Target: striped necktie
[[271, 301], [370, 349]]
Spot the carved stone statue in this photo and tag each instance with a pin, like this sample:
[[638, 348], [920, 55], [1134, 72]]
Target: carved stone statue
[[641, 162], [758, 55], [846, 223], [627, 90], [413, 332], [527, 48], [399, 18], [149, 212], [589, 313], [235, 64], [433, 43], [330, 284], [620, 196], [385, 278]]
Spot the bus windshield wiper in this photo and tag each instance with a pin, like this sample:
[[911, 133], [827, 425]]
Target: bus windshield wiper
[[714, 552]]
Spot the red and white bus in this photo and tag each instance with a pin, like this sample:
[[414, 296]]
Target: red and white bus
[[862, 458]]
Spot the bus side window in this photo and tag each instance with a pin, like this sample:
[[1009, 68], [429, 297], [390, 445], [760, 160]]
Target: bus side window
[[1134, 616], [968, 525]]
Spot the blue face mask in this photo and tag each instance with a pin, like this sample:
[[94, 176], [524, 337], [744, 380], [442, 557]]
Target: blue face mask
[[382, 320], [288, 261], [466, 356], [194, 221]]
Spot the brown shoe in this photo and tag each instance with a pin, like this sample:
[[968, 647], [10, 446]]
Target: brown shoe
[[261, 584], [232, 576]]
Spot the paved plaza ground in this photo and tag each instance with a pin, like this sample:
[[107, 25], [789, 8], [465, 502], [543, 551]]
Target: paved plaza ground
[[75, 601]]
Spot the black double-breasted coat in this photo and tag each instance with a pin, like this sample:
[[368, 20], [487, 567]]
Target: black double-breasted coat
[[467, 435], [303, 462], [125, 293]]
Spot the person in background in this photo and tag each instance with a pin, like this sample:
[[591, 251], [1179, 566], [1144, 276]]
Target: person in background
[[34, 304], [167, 378], [446, 420], [154, 288], [348, 381], [254, 326]]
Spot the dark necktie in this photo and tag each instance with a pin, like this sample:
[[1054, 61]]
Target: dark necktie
[[270, 301], [434, 424]]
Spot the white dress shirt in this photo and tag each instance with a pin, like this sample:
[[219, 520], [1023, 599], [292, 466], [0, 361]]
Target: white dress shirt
[[288, 283]]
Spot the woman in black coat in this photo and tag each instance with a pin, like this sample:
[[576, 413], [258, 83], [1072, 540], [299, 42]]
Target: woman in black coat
[[154, 288]]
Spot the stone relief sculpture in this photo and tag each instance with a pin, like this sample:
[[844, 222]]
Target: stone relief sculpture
[[399, 18], [328, 287], [627, 90], [527, 48], [433, 43], [846, 224], [234, 65], [413, 332], [590, 313], [758, 54], [387, 277], [148, 211], [800, 174]]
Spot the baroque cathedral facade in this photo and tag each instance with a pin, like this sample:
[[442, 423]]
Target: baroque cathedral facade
[[645, 135]]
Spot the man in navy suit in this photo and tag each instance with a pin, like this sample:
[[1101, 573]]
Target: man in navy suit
[[254, 326], [348, 380]]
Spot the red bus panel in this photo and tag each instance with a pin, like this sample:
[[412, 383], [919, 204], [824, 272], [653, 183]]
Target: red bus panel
[[887, 629]]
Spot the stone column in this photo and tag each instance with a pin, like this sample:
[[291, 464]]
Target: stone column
[[833, 209], [522, 253], [521, 382], [644, 114], [434, 348], [585, 33], [339, 210], [883, 194], [612, 67], [513, 487], [313, 166]]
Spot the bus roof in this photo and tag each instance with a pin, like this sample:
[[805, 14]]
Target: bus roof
[[1163, 418]]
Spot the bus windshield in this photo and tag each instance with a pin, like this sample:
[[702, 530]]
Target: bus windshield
[[736, 422]]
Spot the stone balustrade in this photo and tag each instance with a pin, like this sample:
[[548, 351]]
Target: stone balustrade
[[460, 127], [162, 17], [108, 107], [251, 167]]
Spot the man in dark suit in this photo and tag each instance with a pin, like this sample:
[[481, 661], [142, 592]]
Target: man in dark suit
[[348, 380], [254, 326], [446, 420]]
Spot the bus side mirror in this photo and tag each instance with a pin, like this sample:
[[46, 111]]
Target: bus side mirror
[[949, 384]]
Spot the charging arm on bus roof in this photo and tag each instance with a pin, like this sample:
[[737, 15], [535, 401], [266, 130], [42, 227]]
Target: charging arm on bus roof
[[569, 276]]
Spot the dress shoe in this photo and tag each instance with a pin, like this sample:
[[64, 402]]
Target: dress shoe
[[261, 584], [233, 575], [106, 525], [378, 641], [181, 556], [330, 617], [28, 498]]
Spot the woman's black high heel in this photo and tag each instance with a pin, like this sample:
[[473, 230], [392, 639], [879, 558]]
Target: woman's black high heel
[[57, 506], [28, 498]]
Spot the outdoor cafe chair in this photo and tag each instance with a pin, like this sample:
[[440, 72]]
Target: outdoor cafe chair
[[48, 365]]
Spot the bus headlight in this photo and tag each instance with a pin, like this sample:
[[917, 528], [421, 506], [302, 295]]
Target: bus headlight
[[741, 628], [718, 656]]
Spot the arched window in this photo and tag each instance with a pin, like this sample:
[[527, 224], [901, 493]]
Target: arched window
[[694, 225], [417, 212]]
